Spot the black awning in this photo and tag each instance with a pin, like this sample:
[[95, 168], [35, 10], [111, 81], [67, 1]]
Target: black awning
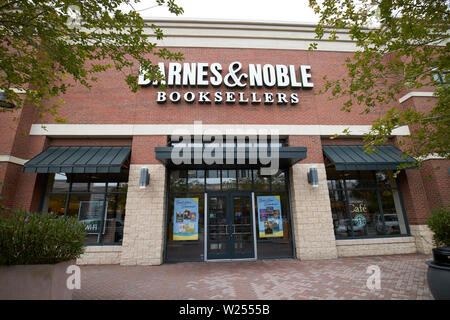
[[287, 157], [355, 158], [79, 160]]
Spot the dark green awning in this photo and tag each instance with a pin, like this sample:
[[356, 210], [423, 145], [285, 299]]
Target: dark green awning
[[355, 158], [287, 156], [79, 160]]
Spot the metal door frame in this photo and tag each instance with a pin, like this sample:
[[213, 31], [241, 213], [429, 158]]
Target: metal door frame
[[226, 196], [229, 194]]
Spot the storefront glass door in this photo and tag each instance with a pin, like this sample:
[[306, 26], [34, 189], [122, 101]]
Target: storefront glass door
[[231, 204], [230, 226]]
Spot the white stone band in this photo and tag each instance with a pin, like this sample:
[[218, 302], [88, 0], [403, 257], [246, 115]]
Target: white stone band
[[129, 130], [416, 94], [12, 159]]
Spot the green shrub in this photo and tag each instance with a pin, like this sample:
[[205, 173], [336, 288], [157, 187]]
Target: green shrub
[[27, 238], [439, 223]]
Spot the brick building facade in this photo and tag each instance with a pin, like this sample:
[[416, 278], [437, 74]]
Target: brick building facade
[[139, 225]]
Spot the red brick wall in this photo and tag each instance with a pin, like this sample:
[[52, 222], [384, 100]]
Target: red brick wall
[[12, 173], [436, 180], [26, 146], [8, 129], [414, 196], [143, 149], [20, 190], [423, 104], [313, 146], [110, 100], [3, 169]]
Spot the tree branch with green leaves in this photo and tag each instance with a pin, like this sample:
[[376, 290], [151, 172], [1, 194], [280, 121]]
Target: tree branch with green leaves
[[401, 45], [45, 43]]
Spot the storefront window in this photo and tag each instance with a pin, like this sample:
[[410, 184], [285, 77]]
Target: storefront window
[[196, 180], [115, 218], [98, 187], [393, 221], [341, 223], [334, 179], [364, 212], [279, 181], [273, 225], [185, 211], [97, 200], [359, 179], [244, 179], [229, 181], [365, 204], [213, 180], [384, 179], [80, 187], [178, 180], [260, 182], [57, 204], [59, 183], [117, 187]]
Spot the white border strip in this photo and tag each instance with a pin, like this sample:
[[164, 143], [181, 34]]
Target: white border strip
[[255, 244], [205, 229], [130, 130], [416, 94], [16, 90], [12, 159], [432, 156]]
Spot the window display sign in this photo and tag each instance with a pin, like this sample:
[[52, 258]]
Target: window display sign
[[185, 219], [359, 211], [269, 217], [358, 207], [92, 214]]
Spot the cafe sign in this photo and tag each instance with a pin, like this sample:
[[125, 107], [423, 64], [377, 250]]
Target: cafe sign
[[359, 211], [358, 207], [254, 76]]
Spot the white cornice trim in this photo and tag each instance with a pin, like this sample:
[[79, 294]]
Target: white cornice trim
[[213, 33], [416, 94], [432, 156], [12, 159], [206, 21], [16, 90], [130, 130]]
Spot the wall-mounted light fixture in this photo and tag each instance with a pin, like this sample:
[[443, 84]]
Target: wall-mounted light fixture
[[313, 177], [144, 179]]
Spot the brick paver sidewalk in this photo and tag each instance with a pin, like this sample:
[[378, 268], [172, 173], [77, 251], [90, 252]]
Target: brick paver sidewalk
[[402, 277]]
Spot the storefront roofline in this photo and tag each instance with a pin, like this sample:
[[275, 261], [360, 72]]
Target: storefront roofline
[[212, 33], [234, 22]]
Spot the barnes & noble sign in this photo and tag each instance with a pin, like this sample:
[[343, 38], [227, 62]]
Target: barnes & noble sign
[[255, 76]]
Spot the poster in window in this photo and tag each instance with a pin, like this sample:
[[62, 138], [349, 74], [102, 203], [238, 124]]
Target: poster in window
[[93, 215], [185, 219], [270, 220]]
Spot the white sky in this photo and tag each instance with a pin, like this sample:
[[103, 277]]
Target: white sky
[[256, 10]]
